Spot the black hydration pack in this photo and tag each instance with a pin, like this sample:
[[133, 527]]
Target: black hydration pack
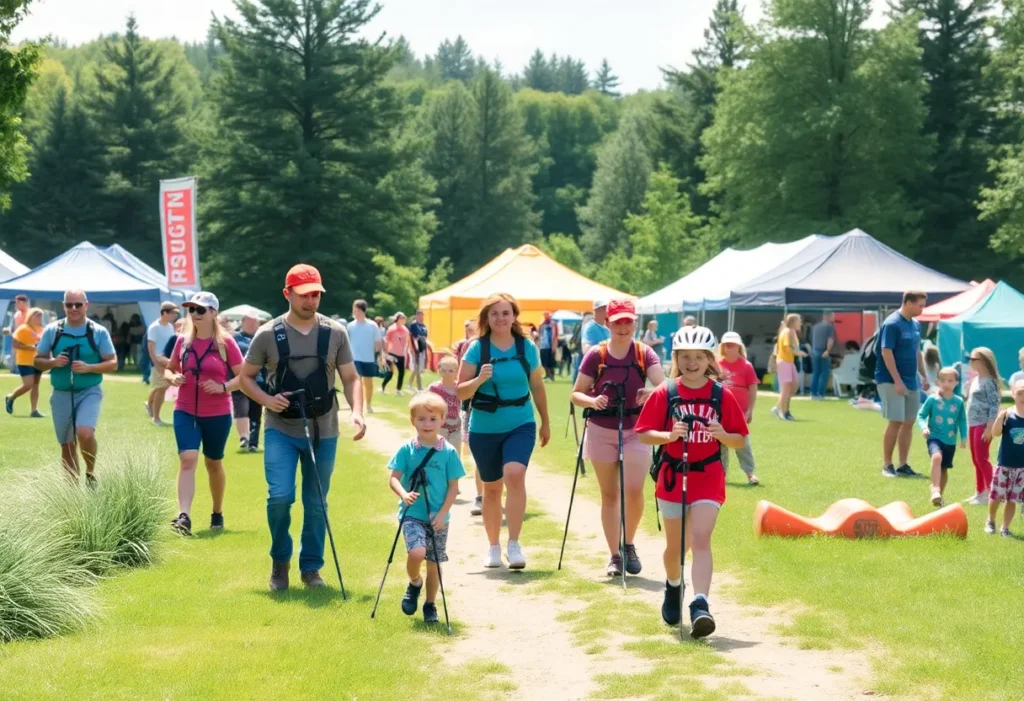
[[318, 396], [675, 465], [90, 336], [490, 403]]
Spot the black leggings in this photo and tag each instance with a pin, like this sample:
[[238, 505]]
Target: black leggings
[[399, 366]]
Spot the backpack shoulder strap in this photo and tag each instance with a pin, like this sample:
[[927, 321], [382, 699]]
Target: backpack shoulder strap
[[485, 352], [640, 356], [602, 364], [281, 340], [323, 342], [521, 354], [58, 333], [672, 398], [717, 389], [90, 335]]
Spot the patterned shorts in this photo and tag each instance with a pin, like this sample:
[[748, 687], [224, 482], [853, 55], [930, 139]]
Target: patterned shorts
[[1008, 485], [417, 535]]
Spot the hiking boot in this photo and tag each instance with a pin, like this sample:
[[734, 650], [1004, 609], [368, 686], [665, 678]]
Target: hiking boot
[[493, 557], [411, 600], [243, 444], [702, 624], [279, 576], [614, 568], [182, 524], [633, 564], [216, 522], [905, 470], [90, 481], [9, 404], [670, 609], [478, 507], [888, 471], [313, 580], [516, 558], [37, 414], [430, 612], [990, 527]]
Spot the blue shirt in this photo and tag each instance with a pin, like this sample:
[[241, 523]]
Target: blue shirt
[[944, 418], [547, 335], [60, 378], [594, 333], [418, 332], [1011, 447], [443, 467], [511, 383], [363, 337], [903, 337]]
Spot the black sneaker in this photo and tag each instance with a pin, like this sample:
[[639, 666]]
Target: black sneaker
[[789, 417], [411, 600], [243, 444], [430, 612], [9, 404], [216, 522], [182, 524], [633, 564], [90, 481], [670, 610], [614, 568], [37, 414], [905, 471], [702, 624], [888, 471]]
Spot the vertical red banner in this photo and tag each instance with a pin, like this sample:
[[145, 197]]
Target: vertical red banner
[[178, 233]]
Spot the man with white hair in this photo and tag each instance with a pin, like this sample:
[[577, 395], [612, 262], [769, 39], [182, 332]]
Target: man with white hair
[[597, 330], [77, 352], [248, 414]]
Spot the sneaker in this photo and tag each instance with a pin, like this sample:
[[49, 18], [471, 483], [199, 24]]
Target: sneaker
[[990, 527], [1005, 533], [149, 409], [789, 417], [493, 557], [243, 444], [633, 564], [312, 579], [279, 576], [614, 568], [411, 600], [90, 481], [478, 507], [670, 610], [936, 497], [182, 524], [516, 559], [369, 410], [216, 522], [979, 499], [37, 414], [430, 612], [777, 413], [753, 481], [888, 471], [905, 470], [702, 623], [158, 423], [9, 404]]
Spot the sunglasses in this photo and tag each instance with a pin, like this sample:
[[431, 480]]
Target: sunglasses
[[197, 311], [169, 311], [74, 305]]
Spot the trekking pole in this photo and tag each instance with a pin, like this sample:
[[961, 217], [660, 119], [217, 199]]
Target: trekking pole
[[620, 392], [575, 432], [301, 394], [72, 356], [657, 509], [433, 539], [391, 556], [682, 530], [572, 495]]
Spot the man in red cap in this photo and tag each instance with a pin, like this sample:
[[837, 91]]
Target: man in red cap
[[316, 348]]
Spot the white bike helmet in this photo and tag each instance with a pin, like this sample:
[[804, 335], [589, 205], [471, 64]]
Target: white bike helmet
[[694, 338]]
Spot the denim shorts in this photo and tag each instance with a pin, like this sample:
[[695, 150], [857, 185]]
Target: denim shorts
[[365, 369], [947, 451], [27, 370], [492, 451], [210, 432]]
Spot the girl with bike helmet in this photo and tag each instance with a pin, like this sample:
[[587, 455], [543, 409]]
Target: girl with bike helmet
[[692, 417]]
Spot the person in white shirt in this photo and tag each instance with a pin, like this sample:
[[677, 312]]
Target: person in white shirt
[[159, 333], [367, 344]]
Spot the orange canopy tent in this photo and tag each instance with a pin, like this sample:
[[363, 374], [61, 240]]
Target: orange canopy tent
[[538, 283], [955, 306]]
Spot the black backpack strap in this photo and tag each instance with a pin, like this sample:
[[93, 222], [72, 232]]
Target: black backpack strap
[[485, 352], [420, 471], [57, 334], [90, 336], [323, 343], [717, 389], [521, 354], [283, 352]]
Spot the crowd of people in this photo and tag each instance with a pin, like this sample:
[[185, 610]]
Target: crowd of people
[[491, 397]]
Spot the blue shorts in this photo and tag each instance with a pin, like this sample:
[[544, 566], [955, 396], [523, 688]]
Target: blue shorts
[[27, 370], [492, 451], [210, 432], [947, 451], [86, 407], [366, 369]]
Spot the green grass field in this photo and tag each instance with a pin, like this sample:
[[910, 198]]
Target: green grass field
[[201, 624]]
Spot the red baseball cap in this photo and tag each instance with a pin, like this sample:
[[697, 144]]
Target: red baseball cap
[[620, 310], [304, 279]]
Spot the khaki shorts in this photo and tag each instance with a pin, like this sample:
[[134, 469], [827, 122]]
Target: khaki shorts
[[157, 379]]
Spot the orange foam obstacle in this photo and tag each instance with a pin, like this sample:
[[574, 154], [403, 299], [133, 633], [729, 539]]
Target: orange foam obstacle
[[855, 518]]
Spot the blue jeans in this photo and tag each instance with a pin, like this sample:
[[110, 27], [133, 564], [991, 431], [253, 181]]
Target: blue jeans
[[282, 454], [145, 364], [821, 369]]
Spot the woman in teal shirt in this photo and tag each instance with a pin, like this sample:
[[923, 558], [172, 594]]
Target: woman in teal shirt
[[501, 374]]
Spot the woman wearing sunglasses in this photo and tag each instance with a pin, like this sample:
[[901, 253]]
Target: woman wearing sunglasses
[[202, 412]]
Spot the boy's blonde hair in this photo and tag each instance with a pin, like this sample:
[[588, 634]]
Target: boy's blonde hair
[[430, 402], [948, 372], [448, 362], [713, 372]]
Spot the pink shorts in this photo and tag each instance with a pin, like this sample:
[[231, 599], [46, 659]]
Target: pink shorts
[[1008, 485], [602, 444], [786, 371]]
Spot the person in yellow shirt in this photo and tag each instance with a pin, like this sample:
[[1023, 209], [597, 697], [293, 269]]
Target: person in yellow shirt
[[26, 338], [787, 350]]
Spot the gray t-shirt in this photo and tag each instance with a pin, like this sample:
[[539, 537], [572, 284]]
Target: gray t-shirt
[[820, 334], [263, 352]]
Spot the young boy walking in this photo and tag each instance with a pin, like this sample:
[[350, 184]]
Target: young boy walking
[[940, 419], [425, 533]]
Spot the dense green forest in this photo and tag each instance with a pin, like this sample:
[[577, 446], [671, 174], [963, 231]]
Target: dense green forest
[[397, 171]]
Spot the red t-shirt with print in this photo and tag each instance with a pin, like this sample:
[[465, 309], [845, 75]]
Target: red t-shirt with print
[[709, 484]]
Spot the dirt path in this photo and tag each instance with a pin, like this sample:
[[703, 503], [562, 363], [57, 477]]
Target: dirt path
[[540, 648]]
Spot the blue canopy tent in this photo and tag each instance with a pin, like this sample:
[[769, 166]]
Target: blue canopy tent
[[105, 280], [996, 322], [136, 266]]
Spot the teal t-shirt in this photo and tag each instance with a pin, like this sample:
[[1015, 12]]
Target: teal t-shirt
[[443, 467], [944, 418], [511, 383], [60, 378]]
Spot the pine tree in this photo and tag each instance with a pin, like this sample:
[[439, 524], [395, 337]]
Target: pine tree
[[138, 111], [538, 73], [455, 60], [571, 78], [16, 75], [309, 160], [605, 81]]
